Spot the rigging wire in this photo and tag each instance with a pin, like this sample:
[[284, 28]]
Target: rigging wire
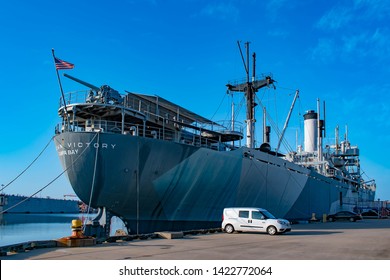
[[237, 109], [52, 181], [21, 173], [240, 105], [220, 104], [93, 182], [275, 126], [229, 106]]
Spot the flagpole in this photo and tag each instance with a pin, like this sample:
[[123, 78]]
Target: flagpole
[[62, 91]]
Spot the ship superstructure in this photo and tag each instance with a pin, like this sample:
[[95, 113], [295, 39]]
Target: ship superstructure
[[339, 161]]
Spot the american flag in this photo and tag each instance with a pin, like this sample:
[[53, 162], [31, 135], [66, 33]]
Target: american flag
[[60, 64]]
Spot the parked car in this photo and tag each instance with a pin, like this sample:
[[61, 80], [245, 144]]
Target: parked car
[[253, 220], [344, 215], [371, 214]]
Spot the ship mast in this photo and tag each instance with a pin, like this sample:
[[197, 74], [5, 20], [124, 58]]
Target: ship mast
[[250, 96], [250, 87]]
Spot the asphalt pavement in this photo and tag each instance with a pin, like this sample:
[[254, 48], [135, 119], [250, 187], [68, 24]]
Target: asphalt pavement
[[361, 240]]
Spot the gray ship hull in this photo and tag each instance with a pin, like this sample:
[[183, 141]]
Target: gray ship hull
[[158, 185]]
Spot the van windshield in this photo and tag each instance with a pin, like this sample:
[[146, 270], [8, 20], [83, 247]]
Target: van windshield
[[268, 215]]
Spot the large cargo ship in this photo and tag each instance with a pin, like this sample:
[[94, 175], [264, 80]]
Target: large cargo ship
[[160, 166]]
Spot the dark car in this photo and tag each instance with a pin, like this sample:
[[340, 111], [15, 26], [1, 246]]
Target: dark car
[[371, 214], [344, 215]]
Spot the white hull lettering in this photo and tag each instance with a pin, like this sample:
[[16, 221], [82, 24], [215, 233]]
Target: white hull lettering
[[72, 148], [68, 152]]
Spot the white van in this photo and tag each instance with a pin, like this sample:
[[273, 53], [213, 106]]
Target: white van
[[254, 220]]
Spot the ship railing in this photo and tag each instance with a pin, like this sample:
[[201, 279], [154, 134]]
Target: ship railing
[[134, 103], [227, 125], [103, 126], [79, 96], [196, 128], [240, 81], [130, 101], [185, 135], [83, 96], [217, 126]]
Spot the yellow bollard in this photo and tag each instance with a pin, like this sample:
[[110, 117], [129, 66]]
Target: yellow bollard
[[77, 239], [324, 218], [76, 224], [77, 229]]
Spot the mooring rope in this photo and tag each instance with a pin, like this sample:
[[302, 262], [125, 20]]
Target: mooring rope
[[52, 181], [94, 176], [21, 173]]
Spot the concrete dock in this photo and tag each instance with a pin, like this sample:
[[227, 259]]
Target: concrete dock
[[361, 240]]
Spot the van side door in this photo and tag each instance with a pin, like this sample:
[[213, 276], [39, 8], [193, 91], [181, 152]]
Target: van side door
[[258, 221], [244, 220]]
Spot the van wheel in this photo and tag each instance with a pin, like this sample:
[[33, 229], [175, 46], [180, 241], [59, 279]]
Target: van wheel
[[229, 228], [271, 230]]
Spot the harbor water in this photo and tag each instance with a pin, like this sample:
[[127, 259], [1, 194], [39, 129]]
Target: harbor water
[[18, 228]]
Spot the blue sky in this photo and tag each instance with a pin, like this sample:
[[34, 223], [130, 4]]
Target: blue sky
[[186, 51]]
